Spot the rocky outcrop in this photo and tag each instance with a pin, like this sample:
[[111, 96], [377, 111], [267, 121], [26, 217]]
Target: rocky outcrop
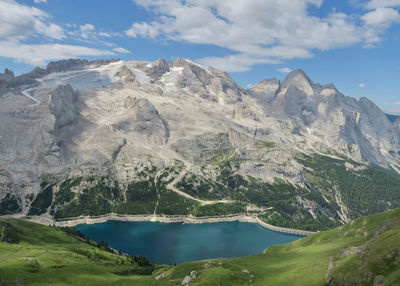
[[266, 88], [9, 81], [125, 75], [4, 80], [8, 75], [208, 83], [226, 89], [63, 106], [75, 64], [189, 278], [195, 80], [203, 147], [243, 110], [395, 120], [157, 69], [143, 118]]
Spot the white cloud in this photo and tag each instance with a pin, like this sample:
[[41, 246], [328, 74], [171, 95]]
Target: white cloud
[[38, 55], [382, 17], [143, 30], [259, 30], [105, 34], [396, 103], [374, 4], [18, 20], [18, 23], [361, 85], [284, 70], [87, 30], [121, 50], [376, 22], [235, 63], [288, 31], [40, 1]]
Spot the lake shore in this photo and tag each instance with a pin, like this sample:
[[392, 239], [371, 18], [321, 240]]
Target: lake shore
[[47, 220]]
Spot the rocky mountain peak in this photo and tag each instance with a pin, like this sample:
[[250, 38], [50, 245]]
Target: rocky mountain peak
[[299, 80], [158, 68], [371, 107], [7, 75], [266, 87], [395, 120], [325, 90], [179, 62], [125, 75]]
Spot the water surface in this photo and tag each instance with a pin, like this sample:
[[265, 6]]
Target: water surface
[[169, 243]]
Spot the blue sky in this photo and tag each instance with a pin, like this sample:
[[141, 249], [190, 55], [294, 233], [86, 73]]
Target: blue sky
[[353, 44]]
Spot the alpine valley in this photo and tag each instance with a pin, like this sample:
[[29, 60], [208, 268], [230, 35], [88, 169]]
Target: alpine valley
[[84, 138]]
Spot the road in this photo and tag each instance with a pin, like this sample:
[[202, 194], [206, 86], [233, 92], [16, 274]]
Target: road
[[27, 94], [172, 187]]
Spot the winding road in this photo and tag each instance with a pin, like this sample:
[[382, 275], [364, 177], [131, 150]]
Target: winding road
[[27, 94]]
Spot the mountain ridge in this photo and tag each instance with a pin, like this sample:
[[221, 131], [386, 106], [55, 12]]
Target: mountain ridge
[[114, 134]]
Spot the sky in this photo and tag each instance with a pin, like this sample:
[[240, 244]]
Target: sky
[[353, 44]]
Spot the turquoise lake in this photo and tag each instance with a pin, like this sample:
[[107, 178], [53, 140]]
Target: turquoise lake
[[169, 243]]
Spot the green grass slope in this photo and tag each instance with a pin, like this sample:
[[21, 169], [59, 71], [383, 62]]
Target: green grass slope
[[358, 253], [33, 254], [363, 252]]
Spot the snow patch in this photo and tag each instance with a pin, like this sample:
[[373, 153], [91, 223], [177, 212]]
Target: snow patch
[[140, 76], [169, 79], [92, 77]]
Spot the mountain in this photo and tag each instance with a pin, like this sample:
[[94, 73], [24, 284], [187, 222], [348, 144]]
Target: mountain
[[177, 138], [363, 252], [395, 119]]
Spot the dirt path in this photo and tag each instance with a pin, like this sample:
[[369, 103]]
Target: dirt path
[[172, 187]]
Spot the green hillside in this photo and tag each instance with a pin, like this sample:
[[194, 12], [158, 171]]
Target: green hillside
[[359, 253], [33, 254]]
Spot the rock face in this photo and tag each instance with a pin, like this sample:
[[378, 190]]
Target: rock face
[[298, 80], [195, 80], [63, 105], [144, 119], [266, 88], [158, 68], [8, 81], [8, 75], [208, 83], [137, 122], [395, 120], [75, 64], [203, 147], [358, 129], [125, 75]]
